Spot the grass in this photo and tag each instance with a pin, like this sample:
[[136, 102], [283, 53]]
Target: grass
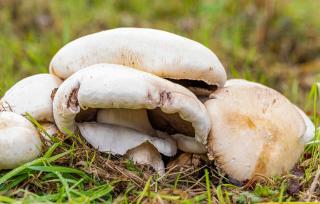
[[273, 42]]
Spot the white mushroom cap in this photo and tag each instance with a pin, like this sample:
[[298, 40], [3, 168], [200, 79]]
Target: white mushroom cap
[[255, 130], [158, 52], [32, 95], [310, 128], [189, 144], [19, 140], [146, 153], [132, 118], [115, 86], [118, 140]]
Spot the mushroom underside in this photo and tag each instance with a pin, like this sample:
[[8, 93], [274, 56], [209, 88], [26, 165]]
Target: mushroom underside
[[139, 120]]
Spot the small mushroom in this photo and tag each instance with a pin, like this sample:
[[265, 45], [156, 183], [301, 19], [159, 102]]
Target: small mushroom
[[19, 140], [161, 53], [107, 86], [255, 130], [32, 95]]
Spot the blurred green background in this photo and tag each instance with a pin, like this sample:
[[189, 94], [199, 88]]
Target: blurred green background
[[273, 42]]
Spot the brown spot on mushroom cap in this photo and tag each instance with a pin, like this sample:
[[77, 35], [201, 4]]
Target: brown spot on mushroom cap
[[73, 102], [53, 93], [127, 57]]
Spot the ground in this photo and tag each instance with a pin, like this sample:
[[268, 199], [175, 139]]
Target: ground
[[276, 43]]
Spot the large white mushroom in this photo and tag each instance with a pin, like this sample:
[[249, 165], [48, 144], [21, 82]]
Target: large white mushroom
[[158, 52], [114, 86], [32, 95], [110, 87], [255, 130], [19, 140]]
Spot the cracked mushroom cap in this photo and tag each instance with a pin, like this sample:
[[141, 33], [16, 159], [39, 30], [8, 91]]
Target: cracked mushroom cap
[[255, 130], [32, 95], [106, 86], [158, 52], [19, 140]]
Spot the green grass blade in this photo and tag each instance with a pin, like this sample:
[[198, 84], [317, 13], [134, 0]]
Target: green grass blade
[[60, 169], [208, 186], [145, 190], [19, 169]]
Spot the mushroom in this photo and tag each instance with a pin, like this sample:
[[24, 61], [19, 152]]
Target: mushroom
[[161, 53], [139, 147], [115, 86], [255, 130], [32, 95], [19, 140]]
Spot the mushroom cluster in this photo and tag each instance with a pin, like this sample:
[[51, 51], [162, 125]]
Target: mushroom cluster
[[144, 93]]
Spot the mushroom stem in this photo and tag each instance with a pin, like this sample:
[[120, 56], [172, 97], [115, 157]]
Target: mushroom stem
[[146, 153], [132, 118]]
